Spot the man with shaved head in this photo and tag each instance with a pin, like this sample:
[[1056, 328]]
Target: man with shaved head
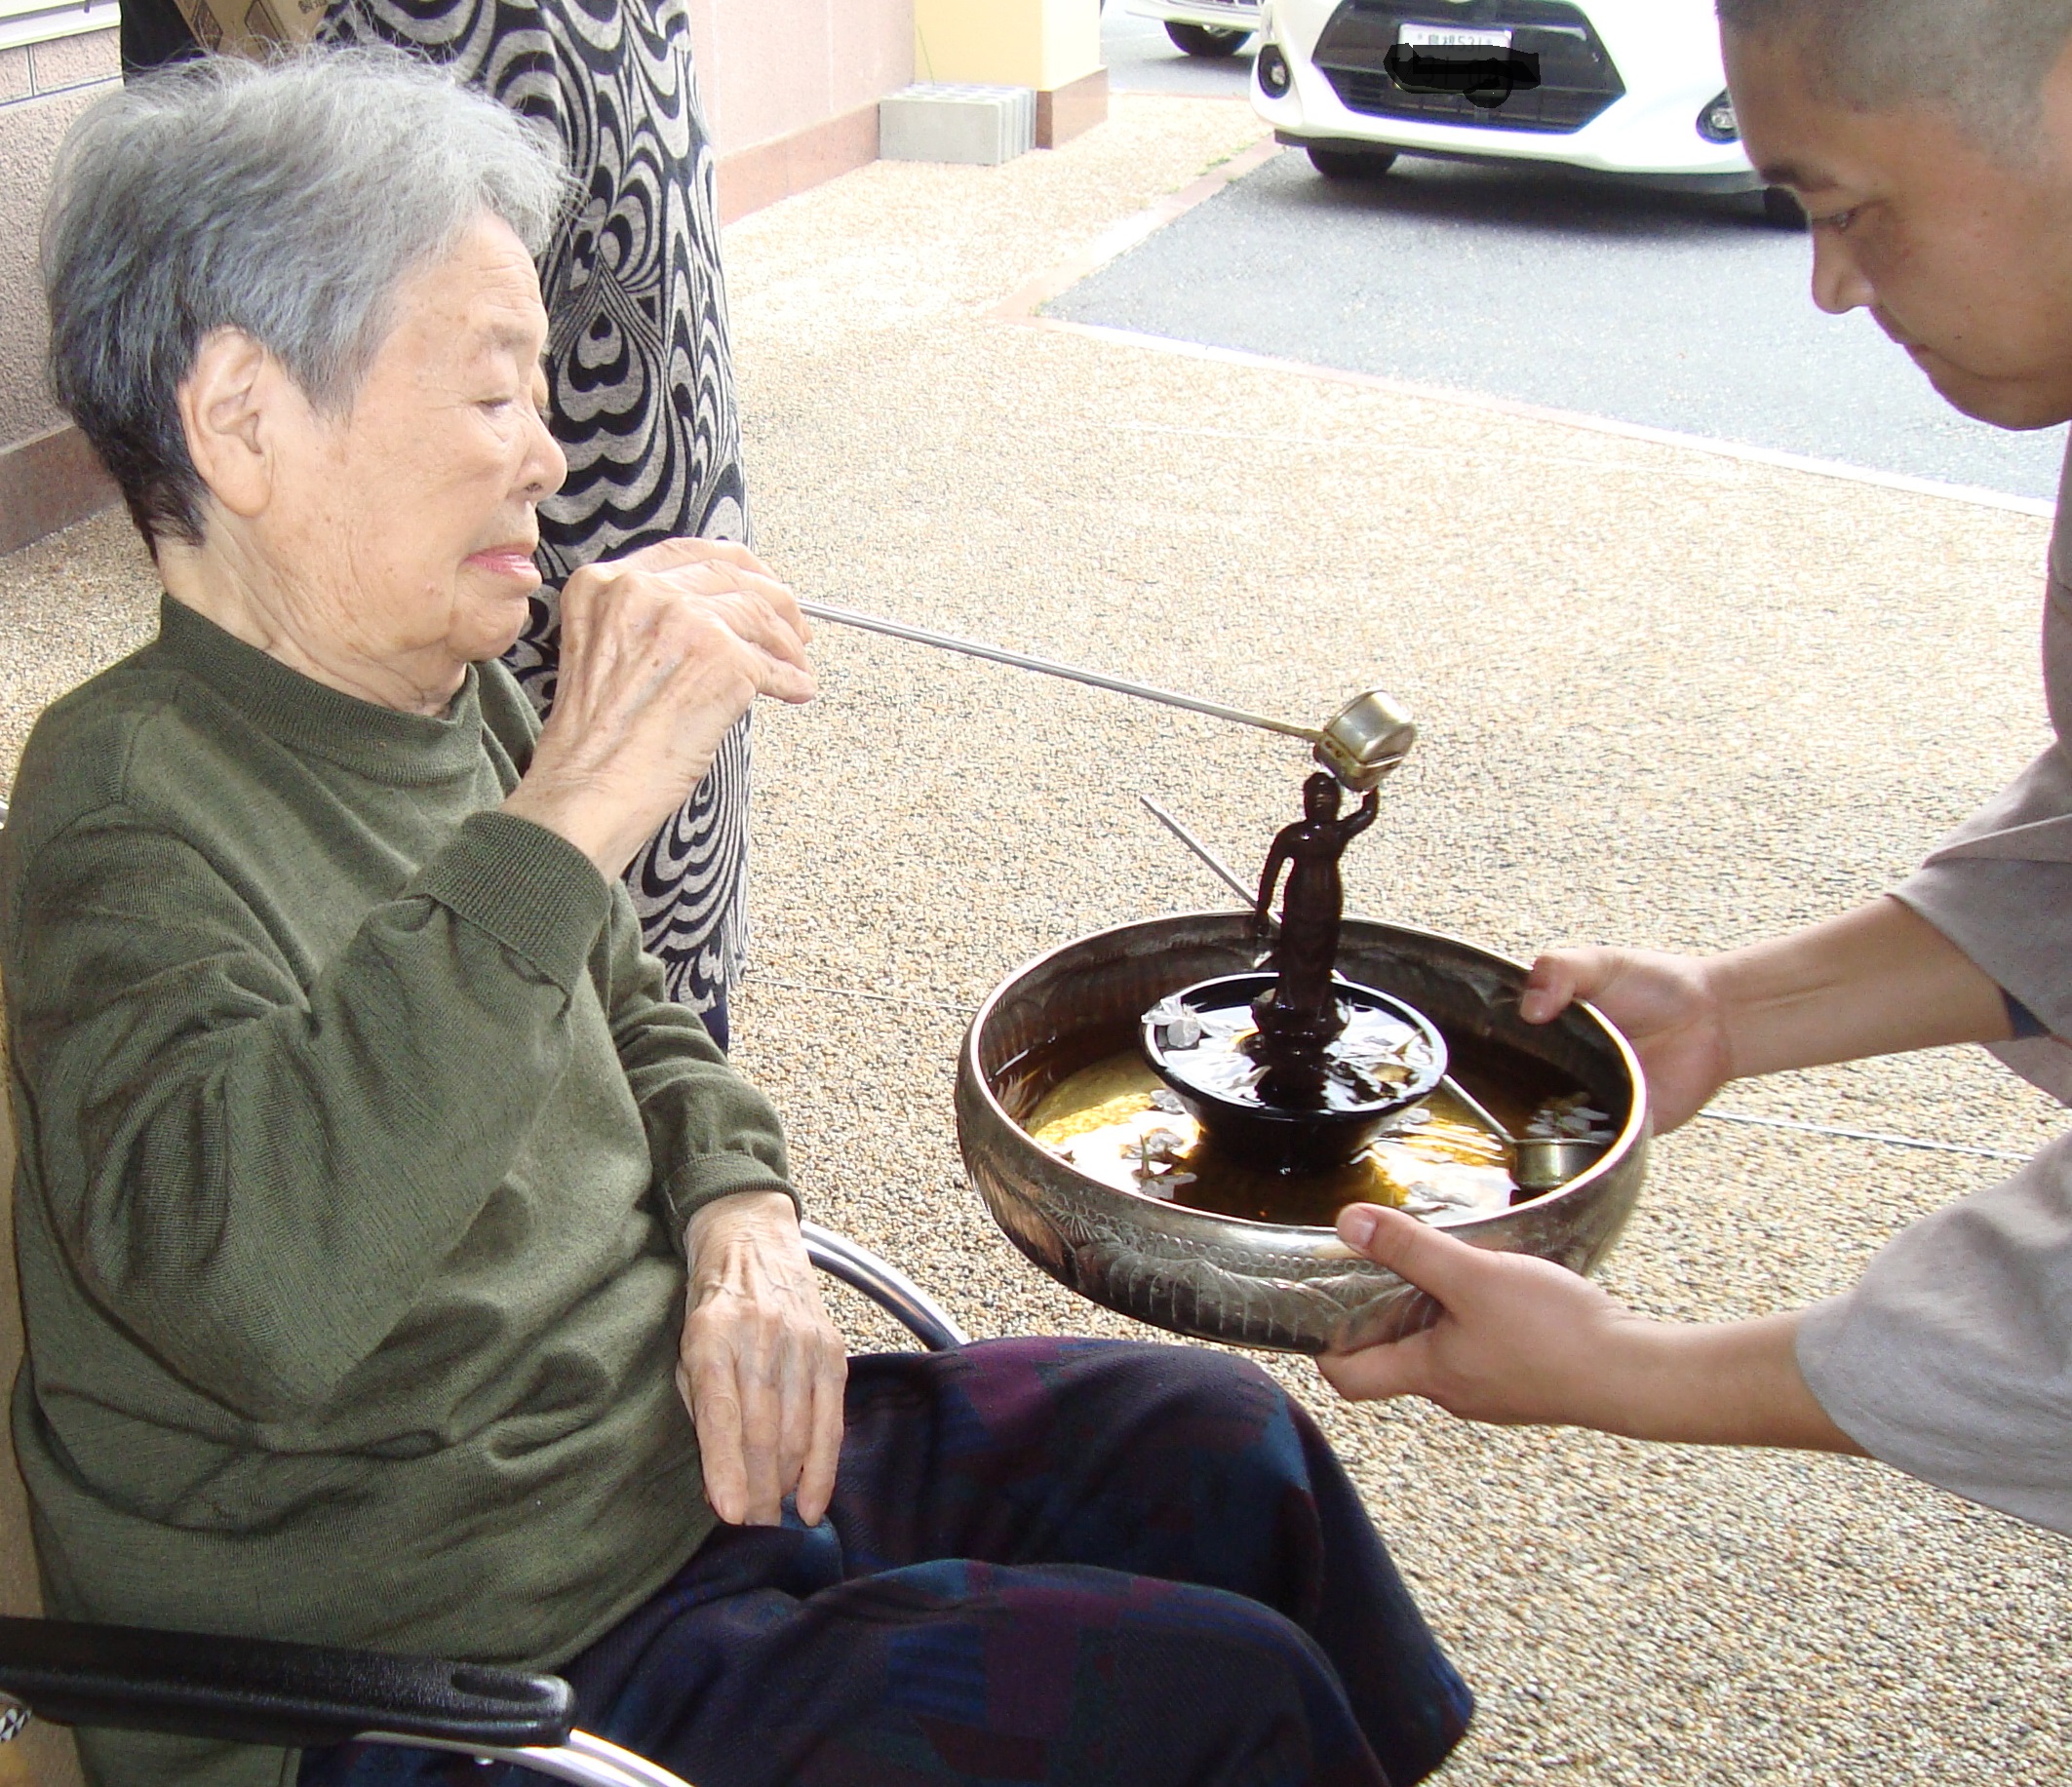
[[1930, 142]]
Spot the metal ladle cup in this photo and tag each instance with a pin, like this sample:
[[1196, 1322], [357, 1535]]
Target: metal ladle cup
[[1366, 739], [1538, 1163]]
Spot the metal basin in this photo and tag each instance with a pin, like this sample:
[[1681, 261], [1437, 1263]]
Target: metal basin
[[1223, 1278]]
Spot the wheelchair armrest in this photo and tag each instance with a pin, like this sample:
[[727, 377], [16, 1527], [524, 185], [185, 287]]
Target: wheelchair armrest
[[885, 1285], [256, 1690]]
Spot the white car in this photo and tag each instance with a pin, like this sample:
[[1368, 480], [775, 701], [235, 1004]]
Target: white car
[[1203, 27], [1629, 87]]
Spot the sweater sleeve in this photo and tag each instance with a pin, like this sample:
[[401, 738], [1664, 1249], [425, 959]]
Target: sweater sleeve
[[259, 1176], [710, 1133]]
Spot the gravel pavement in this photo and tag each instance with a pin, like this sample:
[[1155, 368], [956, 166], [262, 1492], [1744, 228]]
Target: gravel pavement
[[1668, 697]]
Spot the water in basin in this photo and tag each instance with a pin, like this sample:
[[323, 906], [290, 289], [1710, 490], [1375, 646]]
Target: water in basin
[[1106, 1114]]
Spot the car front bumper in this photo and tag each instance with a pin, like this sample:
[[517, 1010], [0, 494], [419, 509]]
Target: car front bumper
[[1667, 56]]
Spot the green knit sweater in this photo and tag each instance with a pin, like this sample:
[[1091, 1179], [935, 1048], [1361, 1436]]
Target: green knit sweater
[[357, 1143]]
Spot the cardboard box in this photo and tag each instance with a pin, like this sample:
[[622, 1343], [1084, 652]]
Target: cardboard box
[[251, 28]]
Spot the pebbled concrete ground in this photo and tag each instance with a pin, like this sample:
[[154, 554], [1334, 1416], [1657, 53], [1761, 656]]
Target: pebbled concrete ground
[[1668, 698]]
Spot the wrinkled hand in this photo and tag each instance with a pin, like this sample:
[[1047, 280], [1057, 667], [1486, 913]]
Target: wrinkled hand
[[1665, 1005], [661, 651], [1520, 1339], [761, 1367]]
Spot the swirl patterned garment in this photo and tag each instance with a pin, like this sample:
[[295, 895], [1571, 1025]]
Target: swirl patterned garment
[[638, 368]]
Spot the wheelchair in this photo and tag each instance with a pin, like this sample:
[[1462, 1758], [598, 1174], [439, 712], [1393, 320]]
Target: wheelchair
[[302, 1696]]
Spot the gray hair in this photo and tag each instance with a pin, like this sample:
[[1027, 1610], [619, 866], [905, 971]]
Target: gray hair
[[287, 200], [1982, 61]]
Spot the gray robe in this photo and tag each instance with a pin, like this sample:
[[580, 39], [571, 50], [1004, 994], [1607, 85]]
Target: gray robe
[[1952, 1356]]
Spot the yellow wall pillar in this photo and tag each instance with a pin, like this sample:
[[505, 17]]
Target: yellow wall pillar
[[1053, 46]]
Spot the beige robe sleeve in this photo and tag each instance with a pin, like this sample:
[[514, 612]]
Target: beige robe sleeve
[[1952, 1356], [2000, 887]]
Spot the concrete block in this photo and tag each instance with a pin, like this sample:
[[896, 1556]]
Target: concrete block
[[982, 126]]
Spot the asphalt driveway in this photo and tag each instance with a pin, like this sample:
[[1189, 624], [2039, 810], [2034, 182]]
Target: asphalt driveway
[[1142, 58], [1675, 311]]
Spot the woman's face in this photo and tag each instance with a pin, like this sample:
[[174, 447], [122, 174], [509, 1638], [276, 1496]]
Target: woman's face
[[395, 547]]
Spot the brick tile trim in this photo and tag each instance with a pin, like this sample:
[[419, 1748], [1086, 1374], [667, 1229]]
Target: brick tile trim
[[751, 178], [49, 481], [1071, 111]]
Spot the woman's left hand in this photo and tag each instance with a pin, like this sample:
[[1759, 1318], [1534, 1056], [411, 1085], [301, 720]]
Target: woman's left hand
[[761, 1367]]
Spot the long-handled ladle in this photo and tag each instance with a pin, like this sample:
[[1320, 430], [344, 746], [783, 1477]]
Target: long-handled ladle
[[1361, 743], [1538, 1163]]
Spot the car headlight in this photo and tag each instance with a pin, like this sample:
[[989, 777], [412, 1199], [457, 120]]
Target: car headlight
[[1717, 122], [1274, 77]]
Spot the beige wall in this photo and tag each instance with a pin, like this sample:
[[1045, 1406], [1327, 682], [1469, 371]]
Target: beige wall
[[41, 88], [773, 68], [1044, 44]]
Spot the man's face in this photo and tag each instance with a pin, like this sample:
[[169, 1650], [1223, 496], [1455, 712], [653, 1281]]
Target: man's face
[[1964, 258]]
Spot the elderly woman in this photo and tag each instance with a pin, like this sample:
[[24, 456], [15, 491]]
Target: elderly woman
[[400, 1268], [639, 364]]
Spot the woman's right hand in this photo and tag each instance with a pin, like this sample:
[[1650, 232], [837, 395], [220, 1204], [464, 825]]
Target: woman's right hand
[[1665, 1005], [661, 651]]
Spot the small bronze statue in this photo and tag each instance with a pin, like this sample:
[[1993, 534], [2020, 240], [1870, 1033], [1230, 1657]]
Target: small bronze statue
[[1301, 1016]]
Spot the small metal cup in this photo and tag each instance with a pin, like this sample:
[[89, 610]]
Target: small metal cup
[[1541, 1164], [1366, 740]]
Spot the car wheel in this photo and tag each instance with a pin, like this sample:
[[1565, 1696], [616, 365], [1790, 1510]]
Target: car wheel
[[1349, 164], [1206, 39], [1781, 208]]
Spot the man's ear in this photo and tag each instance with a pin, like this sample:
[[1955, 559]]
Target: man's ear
[[228, 407]]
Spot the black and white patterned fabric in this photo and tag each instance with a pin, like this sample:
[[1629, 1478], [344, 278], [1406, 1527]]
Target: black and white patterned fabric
[[638, 365]]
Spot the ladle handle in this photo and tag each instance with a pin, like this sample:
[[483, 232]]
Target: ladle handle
[[1480, 1111], [972, 648], [1222, 870]]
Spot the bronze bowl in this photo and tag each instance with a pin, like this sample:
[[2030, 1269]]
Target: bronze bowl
[[1271, 1136], [1267, 1285]]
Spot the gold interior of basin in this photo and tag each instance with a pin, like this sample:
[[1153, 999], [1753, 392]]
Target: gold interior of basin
[[1089, 1069]]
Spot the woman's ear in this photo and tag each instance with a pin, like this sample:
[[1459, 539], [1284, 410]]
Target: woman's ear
[[228, 405]]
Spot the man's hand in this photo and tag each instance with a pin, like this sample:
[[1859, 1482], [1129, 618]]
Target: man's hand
[[1877, 980], [1665, 1005], [661, 651], [761, 1367], [1525, 1341]]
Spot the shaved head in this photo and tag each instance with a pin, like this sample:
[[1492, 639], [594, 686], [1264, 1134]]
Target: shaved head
[[1982, 61]]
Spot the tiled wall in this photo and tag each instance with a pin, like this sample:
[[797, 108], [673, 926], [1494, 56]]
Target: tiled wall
[[775, 67], [42, 88]]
